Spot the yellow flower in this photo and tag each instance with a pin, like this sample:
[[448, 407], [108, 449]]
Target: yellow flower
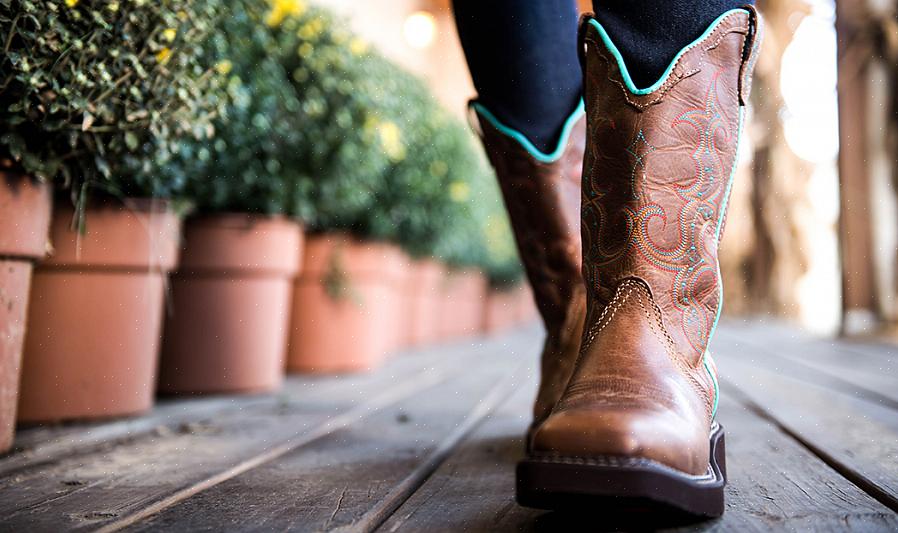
[[281, 9], [439, 168], [459, 191], [358, 46], [304, 50], [71, 3], [391, 140], [112, 6], [169, 34], [224, 66], [162, 56], [311, 29]]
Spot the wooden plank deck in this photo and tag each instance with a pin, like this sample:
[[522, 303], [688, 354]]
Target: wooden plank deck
[[429, 443]]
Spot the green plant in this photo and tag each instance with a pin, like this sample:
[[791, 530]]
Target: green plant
[[384, 160], [252, 162], [344, 148], [93, 93]]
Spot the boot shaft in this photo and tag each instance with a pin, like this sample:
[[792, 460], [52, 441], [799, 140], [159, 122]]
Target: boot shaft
[[542, 197], [658, 171]]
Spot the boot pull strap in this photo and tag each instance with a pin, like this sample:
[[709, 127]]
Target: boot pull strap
[[750, 51]]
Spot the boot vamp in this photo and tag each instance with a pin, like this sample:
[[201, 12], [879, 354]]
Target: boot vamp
[[631, 394]]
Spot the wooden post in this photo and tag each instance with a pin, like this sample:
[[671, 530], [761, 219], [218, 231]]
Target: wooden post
[[859, 306]]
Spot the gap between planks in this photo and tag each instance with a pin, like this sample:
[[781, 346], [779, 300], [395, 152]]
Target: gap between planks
[[855, 477], [422, 381], [41, 446], [824, 373], [380, 513]]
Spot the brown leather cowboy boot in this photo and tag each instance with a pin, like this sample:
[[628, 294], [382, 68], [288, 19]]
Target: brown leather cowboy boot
[[635, 424], [542, 195]]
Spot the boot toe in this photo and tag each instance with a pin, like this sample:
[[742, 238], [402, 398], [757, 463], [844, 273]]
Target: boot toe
[[656, 436]]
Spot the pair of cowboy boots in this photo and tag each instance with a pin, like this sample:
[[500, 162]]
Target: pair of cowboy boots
[[618, 231]]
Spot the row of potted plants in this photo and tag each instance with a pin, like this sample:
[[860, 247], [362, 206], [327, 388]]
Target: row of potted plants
[[311, 169]]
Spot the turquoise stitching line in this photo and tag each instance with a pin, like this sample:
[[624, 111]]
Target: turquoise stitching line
[[525, 143], [625, 74], [723, 210], [639, 158], [716, 386]]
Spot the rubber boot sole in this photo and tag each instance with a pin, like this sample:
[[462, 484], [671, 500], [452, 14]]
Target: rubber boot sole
[[623, 485]]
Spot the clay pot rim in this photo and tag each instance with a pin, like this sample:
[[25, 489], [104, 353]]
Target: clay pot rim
[[34, 197], [139, 204], [385, 271], [166, 255], [240, 220], [222, 230]]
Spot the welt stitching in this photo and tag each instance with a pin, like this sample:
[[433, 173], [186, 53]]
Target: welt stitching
[[617, 461]]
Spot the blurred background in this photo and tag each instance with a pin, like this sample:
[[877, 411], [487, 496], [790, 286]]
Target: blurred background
[[812, 232]]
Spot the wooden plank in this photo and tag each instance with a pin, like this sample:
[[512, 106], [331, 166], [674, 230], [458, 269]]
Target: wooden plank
[[854, 436], [774, 483], [43, 444], [848, 368], [154, 471], [474, 489], [352, 479]]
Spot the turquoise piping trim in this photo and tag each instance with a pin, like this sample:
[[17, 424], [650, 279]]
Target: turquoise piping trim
[[716, 387], [723, 210], [525, 143], [625, 74]]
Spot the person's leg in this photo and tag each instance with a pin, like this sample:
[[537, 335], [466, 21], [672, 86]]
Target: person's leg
[[649, 33], [636, 423], [523, 60]]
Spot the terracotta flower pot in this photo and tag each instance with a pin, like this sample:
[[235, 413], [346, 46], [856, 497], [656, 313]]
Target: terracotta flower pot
[[227, 331], [423, 296], [343, 305], [476, 288], [462, 304], [24, 220], [399, 327], [500, 311], [96, 313]]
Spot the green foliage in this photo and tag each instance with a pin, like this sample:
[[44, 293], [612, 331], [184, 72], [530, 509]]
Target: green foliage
[[344, 149], [252, 163], [271, 106], [384, 159], [93, 92]]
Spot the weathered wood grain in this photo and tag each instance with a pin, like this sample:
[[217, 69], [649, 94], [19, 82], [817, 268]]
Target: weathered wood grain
[[858, 437], [43, 444], [354, 478], [775, 484], [867, 370], [429, 443], [128, 478], [474, 489]]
